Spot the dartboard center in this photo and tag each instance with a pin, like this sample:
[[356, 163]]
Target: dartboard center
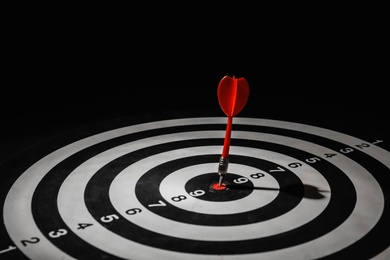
[[217, 187]]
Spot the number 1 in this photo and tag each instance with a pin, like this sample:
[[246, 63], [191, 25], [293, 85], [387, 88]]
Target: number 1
[[8, 249]]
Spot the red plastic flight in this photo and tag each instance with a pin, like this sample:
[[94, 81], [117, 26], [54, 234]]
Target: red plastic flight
[[233, 95]]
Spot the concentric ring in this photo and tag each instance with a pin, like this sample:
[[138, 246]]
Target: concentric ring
[[110, 180]]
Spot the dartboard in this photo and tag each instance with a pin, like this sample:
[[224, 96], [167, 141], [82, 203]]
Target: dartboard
[[143, 187]]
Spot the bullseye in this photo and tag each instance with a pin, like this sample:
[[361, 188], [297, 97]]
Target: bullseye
[[205, 187], [216, 186]]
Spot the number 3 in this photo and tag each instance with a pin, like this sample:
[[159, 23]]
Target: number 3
[[58, 233]]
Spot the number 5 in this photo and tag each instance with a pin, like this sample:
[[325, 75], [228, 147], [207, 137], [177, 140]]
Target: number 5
[[109, 218]]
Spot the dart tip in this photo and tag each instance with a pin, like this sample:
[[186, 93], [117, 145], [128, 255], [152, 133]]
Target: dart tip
[[220, 180]]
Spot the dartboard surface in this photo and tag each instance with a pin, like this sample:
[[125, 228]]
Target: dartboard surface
[[141, 187]]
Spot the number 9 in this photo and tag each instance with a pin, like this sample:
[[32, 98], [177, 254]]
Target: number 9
[[240, 180]]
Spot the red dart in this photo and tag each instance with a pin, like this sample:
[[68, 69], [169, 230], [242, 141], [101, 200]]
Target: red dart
[[233, 94]]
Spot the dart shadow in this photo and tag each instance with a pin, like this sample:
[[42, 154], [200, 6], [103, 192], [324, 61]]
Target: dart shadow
[[309, 191]]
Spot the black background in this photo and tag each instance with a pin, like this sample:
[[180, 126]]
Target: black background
[[64, 66], [71, 65]]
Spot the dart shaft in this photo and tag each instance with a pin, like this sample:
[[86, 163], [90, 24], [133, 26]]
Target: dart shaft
[[224, 159], [226, 144]]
